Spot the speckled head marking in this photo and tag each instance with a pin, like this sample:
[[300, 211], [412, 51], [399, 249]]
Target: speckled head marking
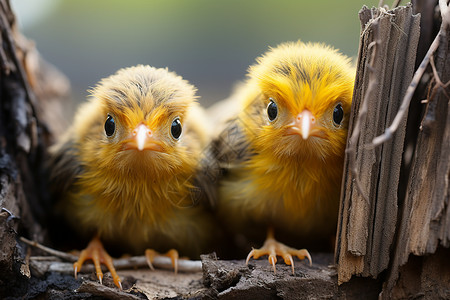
[[114, 167], [295, 112], [126, 164], [144, 93], [310, 74], [300, 77]]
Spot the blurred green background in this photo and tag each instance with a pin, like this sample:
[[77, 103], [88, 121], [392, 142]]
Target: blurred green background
[[210, 43]]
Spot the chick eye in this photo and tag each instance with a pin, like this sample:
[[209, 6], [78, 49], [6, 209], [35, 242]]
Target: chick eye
[[338, 114], [175, 129], [110, 126], [272, 110]]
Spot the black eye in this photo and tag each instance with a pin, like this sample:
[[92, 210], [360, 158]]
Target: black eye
[[110, 126], [338, 114], [272, 110], [175, 129]]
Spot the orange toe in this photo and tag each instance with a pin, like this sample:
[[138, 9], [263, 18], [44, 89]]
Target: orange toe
[[173, 254], [273, 248], [98, 255], [150, 254]]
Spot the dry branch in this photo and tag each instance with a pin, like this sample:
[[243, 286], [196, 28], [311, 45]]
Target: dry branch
[[405, 213], [389, 132], [120, 264], [425, 223]]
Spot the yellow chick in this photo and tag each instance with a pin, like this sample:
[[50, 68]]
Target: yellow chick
[[124, 169], [282, 157]]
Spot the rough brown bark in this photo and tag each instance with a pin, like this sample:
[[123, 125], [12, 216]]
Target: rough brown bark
[[423, 277], [368, 216], [425, 223], [235, 280], [19, 151], [395, 199], [24, 82]]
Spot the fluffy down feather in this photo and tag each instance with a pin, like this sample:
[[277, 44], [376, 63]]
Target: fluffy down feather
[[131, 198], [273, 176]]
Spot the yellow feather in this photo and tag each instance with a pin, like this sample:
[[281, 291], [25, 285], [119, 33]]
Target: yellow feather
[[136, 199], [287, 182]]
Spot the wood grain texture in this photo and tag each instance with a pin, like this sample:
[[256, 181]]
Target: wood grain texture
[[18, 151], [24, 137], [425, 223], [367, 222]]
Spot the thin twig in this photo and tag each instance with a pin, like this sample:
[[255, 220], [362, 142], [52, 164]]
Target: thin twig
[[415, 80], [130, 263], [60, 254], [438, 78], [439, 84], [396, 3], [445, 13], [373, 82], [161, 262]]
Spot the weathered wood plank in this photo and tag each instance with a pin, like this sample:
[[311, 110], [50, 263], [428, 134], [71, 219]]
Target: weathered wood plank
[[425, 222], [367, 226], [423, 277], [385, 218]]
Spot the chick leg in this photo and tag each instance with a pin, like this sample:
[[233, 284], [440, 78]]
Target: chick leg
[[150, 254], [272, 248], [98, 255]]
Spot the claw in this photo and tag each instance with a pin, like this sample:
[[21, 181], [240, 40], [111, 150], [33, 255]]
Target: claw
[[273, 248], [273, 261], [150, 265], [150, 255], [173, 254], [289, 261], [309, 258], [98, 255], [302, 254], [249, 256], [175, 265]]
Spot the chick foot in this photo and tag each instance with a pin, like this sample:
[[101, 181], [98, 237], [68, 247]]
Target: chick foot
[[150, 254], [273, 248], [98, 255]]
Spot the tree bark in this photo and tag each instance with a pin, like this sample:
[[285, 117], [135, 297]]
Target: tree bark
[[25, 81], [395, 199], [368, 213]]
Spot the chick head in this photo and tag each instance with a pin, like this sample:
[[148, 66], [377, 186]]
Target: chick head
[[301, 102], [135, 122]]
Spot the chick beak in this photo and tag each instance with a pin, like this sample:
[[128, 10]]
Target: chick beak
[[142, 133], [142, 138], [305, 125], [307, 121]]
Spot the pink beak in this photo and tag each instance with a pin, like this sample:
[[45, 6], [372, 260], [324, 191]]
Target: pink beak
[[142, 138], [305, 125]]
